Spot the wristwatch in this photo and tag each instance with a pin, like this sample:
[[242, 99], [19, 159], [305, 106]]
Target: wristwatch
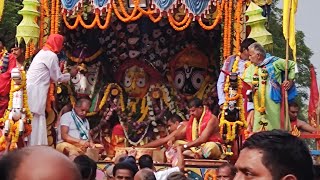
[[185, 146]]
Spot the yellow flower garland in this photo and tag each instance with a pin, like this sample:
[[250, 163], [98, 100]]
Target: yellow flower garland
[[107, 92], [231, 126], [260, 107], [14, 126], [88, 59], [196, 127]]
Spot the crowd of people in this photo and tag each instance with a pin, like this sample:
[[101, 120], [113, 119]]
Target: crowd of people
[[272, 154]]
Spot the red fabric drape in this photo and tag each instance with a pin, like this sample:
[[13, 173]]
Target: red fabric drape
[[314, 96]]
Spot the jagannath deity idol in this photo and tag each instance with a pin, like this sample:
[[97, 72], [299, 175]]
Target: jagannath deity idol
[[189, 75], [136, 77]]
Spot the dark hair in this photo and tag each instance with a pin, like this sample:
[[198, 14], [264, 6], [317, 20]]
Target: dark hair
[[233, 169], [283, 154], [175, 118], [195, 102], [145, 161], [177, 176], [246, 43], [122, 165], [147, 174], [316, 171], [294, 104], [10, 162], [86, 166]]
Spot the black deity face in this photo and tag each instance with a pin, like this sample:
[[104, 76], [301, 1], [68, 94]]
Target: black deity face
[[188, 80]]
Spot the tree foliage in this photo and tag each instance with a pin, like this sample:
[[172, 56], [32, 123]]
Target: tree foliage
[[304, 53], [10, 21]]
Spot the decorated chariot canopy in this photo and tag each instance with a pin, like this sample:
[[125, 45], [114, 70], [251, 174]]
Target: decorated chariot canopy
[[180, 13]]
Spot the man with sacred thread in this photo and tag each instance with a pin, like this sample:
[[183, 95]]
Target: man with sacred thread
[[241, 61], [73, 136], [44, 67], [7, 63], [202, 133], [266, 74]]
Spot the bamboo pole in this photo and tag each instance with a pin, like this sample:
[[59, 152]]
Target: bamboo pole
[[286, 115]]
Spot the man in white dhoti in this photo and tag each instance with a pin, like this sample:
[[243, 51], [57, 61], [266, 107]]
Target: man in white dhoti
[[44, 67]]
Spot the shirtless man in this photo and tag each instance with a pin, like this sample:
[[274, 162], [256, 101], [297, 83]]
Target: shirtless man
[[295, 122], [175, 125]]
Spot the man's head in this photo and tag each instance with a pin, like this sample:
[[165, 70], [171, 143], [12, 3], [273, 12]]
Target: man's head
[[177, 176], [244, 48], [54, 43], [145, 161], [37, 162], [18, 51], [145, 174], [293, 111], [226, 172], [195, 108], [274, 155], [256, 53], [173, 122], [123, 171], [86, 166], [82, 106]]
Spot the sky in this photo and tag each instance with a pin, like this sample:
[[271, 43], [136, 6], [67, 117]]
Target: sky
[[307, 20]]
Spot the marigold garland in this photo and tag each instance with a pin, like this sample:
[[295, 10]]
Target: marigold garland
[[53, 13], [57, 17], [155, 20], [216, 21], [50, 97], [238, 14], [106, 95], [231, 127], [14, 133], [88, 59], [107, 22], [175, 27], [260, 106], [126, 18]]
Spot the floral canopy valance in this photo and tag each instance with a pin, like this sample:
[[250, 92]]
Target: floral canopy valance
[[180, 13], [196, 7]]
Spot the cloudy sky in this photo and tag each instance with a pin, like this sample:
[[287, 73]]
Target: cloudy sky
[[307, 20]]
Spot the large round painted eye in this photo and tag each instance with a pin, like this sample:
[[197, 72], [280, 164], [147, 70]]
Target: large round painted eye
[[127, 82], [179, 79], [91, 78], [141, 82], [76, 79], [197, 80]]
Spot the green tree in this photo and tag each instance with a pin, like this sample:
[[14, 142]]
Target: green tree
[[304, 54], [10, 21]]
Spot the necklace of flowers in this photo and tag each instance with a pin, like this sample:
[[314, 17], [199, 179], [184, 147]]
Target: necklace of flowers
[[227, 127], [14, 126], [260, 106], [144, 112]]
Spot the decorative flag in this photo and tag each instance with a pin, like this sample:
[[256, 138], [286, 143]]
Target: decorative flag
[[1, 8], [289, 30], [313, 99]]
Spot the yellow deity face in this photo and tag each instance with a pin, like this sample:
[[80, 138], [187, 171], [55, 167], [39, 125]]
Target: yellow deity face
[[135, 82]]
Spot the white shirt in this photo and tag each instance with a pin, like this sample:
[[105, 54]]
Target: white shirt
[[67, 120], [162, 175], [44, 67]]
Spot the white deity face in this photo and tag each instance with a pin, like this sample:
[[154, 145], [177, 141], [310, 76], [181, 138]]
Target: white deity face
[[84, 83]]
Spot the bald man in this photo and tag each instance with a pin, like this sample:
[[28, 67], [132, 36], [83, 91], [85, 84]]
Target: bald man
[[38, 162], [145, 174]]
